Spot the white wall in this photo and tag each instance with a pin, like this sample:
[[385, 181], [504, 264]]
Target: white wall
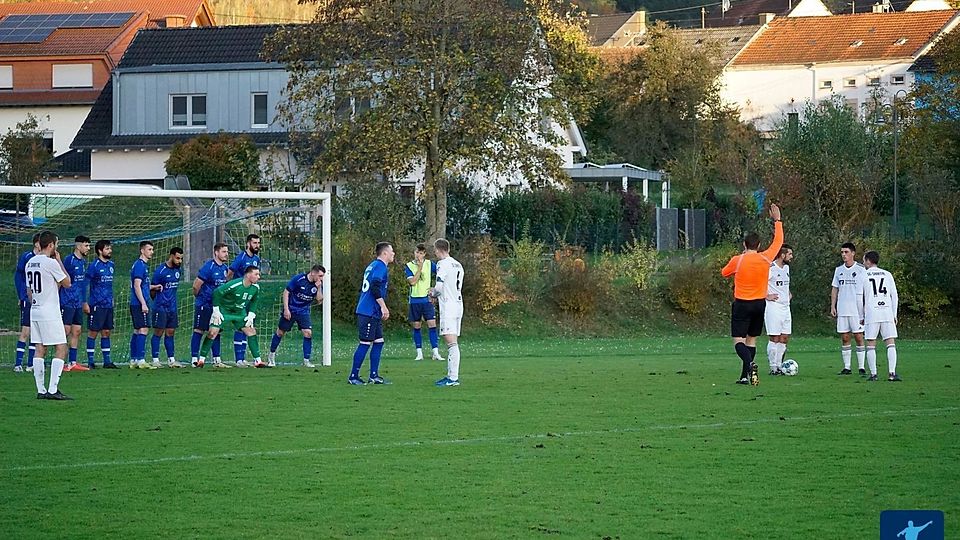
[[63, 121], [132, 165], [764, 94], [809, 8]]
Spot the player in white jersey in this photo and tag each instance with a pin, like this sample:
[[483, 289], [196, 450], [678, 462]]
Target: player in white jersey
[[880, 302], [45, 276], [776, 316], [846, 304], [448, 291]]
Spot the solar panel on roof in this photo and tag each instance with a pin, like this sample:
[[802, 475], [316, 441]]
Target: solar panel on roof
[[36, 28]]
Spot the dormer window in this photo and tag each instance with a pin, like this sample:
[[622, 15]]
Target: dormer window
[[856, 43], [188, 111], [901, 41]]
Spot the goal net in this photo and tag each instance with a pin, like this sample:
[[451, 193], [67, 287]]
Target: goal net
[[294, 229]]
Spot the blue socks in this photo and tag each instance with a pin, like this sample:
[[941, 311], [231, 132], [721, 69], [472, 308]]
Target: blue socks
[[168, 345], [417, 338], [138, 346], [73, 355], [21, 348], [155, 346], [195, 344], [307, 347], [434, 338], [91, 348], [358, 357], [105, 349], [375, 352], [216, 347], [239, 350], [31, 351], [275, 342]]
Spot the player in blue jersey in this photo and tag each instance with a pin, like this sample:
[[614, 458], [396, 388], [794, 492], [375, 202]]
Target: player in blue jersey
[[23, 299], [420, 272], [371, 312], [72, 298], [164, 316], [140, 290], [212, 274], [99, 304], [247, 258], [301, 292]]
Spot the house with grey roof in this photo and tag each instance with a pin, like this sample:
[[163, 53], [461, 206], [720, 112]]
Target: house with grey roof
[[616, 30]]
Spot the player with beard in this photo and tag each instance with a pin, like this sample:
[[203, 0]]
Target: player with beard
[[247, 258], [164, 317]]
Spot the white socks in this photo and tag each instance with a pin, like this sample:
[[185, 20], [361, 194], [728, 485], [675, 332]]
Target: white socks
[[38, 372], [453, 362], [861, 354], [772, 355], [845, 353], [872, 359], [781, 352], [892, 358], [56, 369]]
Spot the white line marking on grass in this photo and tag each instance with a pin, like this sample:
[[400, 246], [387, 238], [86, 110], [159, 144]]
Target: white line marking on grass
[[476, 440]]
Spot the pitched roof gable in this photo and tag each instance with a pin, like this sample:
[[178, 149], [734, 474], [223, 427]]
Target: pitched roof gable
[[205, 45], [600, 28], [845, 38], [731, 40]]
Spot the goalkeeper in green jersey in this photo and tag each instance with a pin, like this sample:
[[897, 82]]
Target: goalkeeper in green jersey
[[234, 308]]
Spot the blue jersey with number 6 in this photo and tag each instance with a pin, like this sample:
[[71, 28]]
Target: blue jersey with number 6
[[375, 278]]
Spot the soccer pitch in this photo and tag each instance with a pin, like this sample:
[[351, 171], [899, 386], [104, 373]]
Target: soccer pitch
[[581, 438]]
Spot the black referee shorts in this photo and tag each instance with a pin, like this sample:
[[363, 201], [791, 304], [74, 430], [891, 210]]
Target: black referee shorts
[[746, 317]]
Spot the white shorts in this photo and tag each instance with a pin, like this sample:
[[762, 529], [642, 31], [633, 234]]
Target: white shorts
[[449, 326], [846, 324], [777, 319], [886, 329], [47, 332]]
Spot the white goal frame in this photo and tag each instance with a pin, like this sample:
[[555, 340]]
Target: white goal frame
[[122, 191]]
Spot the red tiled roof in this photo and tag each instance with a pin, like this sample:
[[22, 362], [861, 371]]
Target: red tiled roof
[[48, 97], [843, 38], [158, 9], [70, 41]]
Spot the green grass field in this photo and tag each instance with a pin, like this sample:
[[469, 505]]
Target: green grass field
[[591, 438]]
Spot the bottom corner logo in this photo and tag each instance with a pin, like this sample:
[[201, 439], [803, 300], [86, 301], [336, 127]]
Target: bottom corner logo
[[911, 525]]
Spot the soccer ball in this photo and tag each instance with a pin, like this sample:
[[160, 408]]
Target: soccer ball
[[790, 367]]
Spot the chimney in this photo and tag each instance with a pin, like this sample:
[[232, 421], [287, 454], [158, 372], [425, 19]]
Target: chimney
[[766, 18], [175, 21], [637, 24]]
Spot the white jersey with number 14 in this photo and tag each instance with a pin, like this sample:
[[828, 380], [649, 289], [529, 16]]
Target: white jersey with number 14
[[449, 285], [879, 296]]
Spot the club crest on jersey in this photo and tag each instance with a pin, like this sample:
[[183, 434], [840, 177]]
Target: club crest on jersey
[[313, 290]]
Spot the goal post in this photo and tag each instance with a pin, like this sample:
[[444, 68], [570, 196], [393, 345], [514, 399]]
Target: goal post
[[294, 227]]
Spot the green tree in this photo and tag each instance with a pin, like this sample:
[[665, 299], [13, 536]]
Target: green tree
[[217, 162], [383, 87], [931, 139], [829, 166], [23, 157], [660, 102]]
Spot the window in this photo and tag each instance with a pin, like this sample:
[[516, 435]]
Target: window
[[188, 111], [73, 75], [6, 77], [850, 83], [853, 104], [898, 79], [260, 111], [826, 85], [874, 81]]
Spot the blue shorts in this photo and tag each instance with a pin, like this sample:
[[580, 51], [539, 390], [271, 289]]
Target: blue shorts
[[201, 317], [369, 328], [100, 318], [138, 317], [72, 316], [302, 319], [165, 319], [421, 310], [25, 313]]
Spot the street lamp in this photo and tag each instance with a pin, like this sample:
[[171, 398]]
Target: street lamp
[[895, 112]]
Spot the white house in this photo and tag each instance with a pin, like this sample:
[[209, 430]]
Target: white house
[[797, 60]]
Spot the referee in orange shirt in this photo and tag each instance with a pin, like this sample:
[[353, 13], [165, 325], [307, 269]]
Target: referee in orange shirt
[[750, 271]]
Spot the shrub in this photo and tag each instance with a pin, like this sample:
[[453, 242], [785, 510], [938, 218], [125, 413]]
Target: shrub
[[689, 287], [526, 267], [638, 263], [574, 286], [483, 278]]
